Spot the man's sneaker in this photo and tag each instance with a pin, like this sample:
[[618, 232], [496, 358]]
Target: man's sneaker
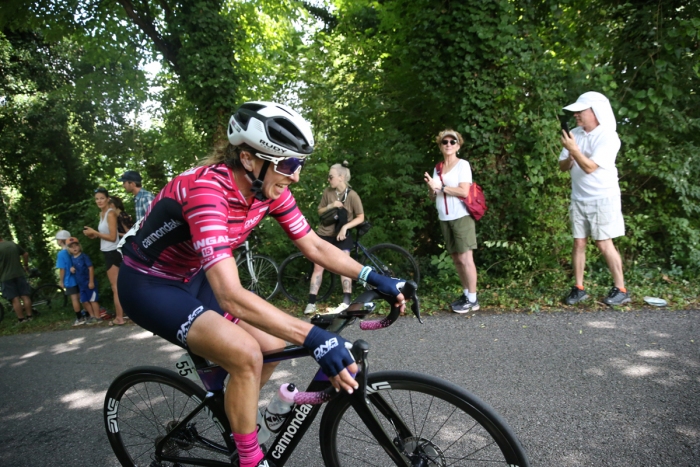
[[92, 320], [310, 308], [463, 305], [78, 321], [617, 297], [461, 301], [576, 295], [336, 310]]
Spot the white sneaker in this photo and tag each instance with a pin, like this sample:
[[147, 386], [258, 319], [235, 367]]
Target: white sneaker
[[310, 308], [336, 310], [79, 321]]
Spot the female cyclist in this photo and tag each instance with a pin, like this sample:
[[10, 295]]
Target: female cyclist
[[180, 280]]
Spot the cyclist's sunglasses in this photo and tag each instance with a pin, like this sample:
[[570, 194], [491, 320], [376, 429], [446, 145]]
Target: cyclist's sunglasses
[[445, 142], [286, 166]]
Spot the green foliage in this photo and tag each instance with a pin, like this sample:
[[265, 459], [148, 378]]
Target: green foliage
[[378, 80]]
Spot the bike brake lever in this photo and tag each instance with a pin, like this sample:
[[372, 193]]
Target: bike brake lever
[[409, 292]]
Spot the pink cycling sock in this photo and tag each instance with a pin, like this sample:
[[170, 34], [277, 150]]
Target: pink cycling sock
[[249, 452]]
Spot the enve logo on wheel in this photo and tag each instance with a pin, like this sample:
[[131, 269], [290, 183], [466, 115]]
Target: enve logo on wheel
[[112, 406]]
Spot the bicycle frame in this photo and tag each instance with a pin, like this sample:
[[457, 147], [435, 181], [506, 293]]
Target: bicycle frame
[[302, 415]]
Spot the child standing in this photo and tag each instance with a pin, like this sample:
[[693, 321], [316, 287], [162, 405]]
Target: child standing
[[67, 279], [85, 277]]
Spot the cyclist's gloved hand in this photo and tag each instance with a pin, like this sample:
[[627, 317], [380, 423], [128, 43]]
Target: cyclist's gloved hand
[[386, 285], [331, 351]]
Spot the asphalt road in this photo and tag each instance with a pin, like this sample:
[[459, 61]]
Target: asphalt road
[[580, 389]]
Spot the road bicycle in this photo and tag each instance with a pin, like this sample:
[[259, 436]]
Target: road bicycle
[[257, 273], [43, 296], [386, 258], [157, 417]]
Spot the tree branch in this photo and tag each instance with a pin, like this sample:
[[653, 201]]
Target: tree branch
[[169, 51]]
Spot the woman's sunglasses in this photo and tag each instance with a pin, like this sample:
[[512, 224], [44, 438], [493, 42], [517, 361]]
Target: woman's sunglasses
[[286, 166], [445, 142]]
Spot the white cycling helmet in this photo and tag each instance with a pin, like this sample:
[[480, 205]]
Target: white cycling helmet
[[271, 128], [62, 235]]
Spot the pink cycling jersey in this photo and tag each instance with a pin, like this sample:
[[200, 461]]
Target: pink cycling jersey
[[198, 219]]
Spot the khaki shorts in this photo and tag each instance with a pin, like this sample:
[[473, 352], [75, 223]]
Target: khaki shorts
[[460, 234], [600, 219]]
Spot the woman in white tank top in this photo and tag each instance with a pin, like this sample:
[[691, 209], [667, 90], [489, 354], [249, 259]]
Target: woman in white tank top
[[109, 239]]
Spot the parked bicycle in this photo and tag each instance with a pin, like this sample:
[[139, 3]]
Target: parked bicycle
[[43, 296], [157, 417], [386, 258], [257, 273]]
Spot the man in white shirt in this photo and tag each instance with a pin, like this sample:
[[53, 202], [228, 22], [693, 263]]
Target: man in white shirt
[[589, 155]]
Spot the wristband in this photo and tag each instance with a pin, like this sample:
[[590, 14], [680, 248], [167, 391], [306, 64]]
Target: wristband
[[364, 274]]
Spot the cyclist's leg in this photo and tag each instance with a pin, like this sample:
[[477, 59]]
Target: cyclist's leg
[[266, 342], [219, 340], [175, 311]]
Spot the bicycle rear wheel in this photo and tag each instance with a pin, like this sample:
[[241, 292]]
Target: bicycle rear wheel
[[431, 421], [393, 261], [49, 296], [266, 272], [144, 404], [295, 279]]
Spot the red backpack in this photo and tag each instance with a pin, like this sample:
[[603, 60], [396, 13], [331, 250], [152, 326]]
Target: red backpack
[[475, 201]]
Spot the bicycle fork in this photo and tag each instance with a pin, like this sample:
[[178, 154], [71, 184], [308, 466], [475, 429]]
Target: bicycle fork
[[360, 402]]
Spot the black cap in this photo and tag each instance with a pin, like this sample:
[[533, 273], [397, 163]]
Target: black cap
[[130, 176]]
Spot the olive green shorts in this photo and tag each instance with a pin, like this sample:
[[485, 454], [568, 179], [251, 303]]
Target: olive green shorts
[[460, 234]]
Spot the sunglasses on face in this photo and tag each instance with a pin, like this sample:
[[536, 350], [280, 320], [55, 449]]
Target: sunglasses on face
[[286, 166], [445, 142]]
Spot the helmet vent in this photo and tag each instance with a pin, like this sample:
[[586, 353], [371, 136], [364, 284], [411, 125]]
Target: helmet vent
[[258, 125]]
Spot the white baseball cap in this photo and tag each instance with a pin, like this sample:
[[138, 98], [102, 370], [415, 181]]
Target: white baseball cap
[[62, 235], [586, 101]]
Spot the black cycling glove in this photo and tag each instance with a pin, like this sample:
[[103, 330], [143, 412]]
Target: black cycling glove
[[386, 285], [331, 351]]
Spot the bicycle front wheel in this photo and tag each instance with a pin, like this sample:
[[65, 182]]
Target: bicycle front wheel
[[393, 261], [431, 421], [49, 296], [295, 279], [144, 404], [260, 277]]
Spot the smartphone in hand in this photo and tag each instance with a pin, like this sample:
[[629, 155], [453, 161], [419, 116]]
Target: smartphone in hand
[[565, 127]]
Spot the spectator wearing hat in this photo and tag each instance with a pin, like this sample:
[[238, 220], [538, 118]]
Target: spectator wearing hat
[[85, 277], [447, 189], [131, 180], [66, 277], [13, 282], [589, 156]]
